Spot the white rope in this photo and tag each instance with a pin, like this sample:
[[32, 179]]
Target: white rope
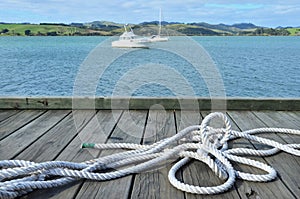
[[201, 143]]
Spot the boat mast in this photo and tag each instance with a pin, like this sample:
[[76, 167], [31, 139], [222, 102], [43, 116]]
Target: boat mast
[[159, 29]]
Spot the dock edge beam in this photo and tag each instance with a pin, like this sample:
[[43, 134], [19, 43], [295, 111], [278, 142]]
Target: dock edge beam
[[143, 103]]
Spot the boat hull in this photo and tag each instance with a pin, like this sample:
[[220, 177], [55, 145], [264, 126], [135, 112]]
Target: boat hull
[[158, 39], [128, 44]]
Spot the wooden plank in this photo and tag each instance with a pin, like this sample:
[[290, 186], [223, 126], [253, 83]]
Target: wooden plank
[[35, 103], [274, 104], [97, 130], [144, 103], [287, 165], [129, 129], [22, 138], [198, 173], [17, 121], [294, 114], [155, 184], [185, 118], [276, 189], [158, 122], [4, 114], [280, 120], [50, 145]]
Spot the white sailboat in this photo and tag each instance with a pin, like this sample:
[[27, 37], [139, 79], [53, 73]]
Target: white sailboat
[[158, 37], [130, 40]]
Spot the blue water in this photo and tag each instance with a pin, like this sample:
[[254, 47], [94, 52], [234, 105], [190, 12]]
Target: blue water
[[257, 66], [249, 67]]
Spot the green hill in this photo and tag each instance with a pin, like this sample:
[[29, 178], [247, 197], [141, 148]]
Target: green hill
[[294, 31], [46, 30], [105, 28]]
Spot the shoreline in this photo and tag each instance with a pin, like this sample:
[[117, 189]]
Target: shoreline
[[99, 28], [169, 36]]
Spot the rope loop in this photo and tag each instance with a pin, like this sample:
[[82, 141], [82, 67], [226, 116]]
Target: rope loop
[[200, 143], [218, 137]]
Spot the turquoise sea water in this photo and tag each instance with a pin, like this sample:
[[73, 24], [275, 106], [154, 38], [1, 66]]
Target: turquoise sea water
[[248, 67]]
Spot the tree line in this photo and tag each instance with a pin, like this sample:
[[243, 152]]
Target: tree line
[[271, 31]]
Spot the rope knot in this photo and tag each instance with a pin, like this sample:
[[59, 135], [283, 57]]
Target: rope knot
[[217, 136]]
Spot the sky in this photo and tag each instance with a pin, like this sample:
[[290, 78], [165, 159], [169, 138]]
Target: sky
[[269, 13]]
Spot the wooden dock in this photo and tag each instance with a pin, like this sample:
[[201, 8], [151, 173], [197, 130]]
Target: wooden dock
[[46, 134]]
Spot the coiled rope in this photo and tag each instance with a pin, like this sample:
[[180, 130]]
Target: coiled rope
[[200, 142]]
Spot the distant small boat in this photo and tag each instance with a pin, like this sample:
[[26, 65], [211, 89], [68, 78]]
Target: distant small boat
[[130, 40], [158, 37]]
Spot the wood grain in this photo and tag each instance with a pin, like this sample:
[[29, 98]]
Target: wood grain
[[58, 134], [275, 189], [144, 103], [129, 129], [27, 135], [155, 184], [17, 121]]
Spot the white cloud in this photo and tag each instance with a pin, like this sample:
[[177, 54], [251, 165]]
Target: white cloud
[[286, 9], [234, 6]]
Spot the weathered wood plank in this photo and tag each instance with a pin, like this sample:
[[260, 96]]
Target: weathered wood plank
[[144, 103], [287, 165], [55, 140], [97, 130], [35, 102], [185, 118], [129, 129], [4, 114], [275, 189], [22, 138], [17, 121], [280, 120], [294, 114], [155, 184], [198, 173]]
